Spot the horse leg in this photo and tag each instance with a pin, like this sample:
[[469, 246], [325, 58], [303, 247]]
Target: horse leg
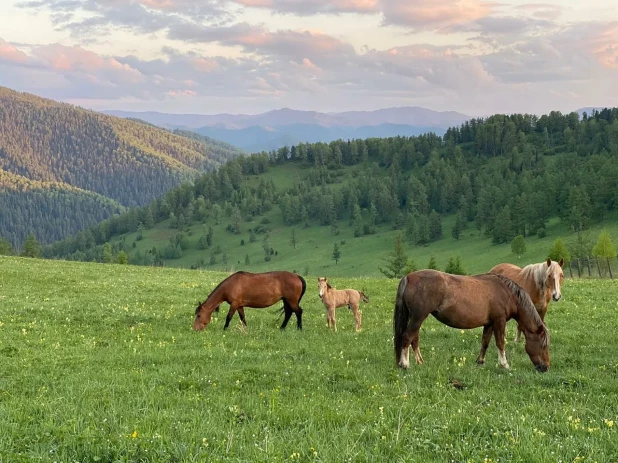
[[229, 316], [500, 343], [299, 318], [241, 314], [357, 316], [288, 313], [487, 332], [331, 317]]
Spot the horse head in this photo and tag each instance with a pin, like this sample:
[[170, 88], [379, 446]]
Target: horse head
[[322, 285], [554, 278], [202, 317], [537, 347]]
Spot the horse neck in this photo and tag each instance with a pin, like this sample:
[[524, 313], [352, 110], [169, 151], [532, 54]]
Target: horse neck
[[535, 282], [527, 317], [214, 299]]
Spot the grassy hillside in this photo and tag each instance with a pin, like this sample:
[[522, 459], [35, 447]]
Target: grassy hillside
[[129, 162], [359, 255], [99, 363], [467, 194]]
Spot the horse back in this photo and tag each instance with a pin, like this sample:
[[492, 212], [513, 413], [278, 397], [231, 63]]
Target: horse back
[[513, 272], [265, 289]]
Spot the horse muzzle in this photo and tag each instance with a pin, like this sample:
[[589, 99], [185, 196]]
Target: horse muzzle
[[556, 297], [541, 368]]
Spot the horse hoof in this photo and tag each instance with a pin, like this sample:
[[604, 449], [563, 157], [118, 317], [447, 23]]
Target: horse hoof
[[404, 366], [480, 362]]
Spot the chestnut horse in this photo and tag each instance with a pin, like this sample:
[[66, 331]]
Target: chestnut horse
[[257, 290], [333, 298], [465, 302], [541, 281]]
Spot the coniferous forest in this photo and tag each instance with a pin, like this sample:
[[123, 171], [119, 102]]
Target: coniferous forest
[[502, 176], [63, 168]]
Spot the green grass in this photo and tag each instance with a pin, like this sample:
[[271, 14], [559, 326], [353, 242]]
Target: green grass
[[359, 255], [99, 363]]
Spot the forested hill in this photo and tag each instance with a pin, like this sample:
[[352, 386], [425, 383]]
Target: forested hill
[[64, 156], [490, 179]]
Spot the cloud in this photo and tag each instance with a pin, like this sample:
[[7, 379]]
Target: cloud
[[9, 53], [306, 8], [546, 11], [437, 15]]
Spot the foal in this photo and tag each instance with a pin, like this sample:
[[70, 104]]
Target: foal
[[333, 298]]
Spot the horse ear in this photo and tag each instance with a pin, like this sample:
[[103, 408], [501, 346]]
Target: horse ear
[[561, 263], [548, 262]]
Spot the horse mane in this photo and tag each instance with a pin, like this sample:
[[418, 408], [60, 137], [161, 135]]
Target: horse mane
[[524, 303], [329, 286], [216, 288], [538, 273]]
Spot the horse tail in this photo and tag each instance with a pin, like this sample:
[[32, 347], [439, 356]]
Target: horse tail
[[363, 297], [302, 292], [400, 318]]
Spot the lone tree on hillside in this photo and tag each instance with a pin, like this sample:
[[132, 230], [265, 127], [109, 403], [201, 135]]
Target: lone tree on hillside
[[293, 238], [559, 251], [397, 263], [604, 247], [518, 246], [336, 253], [32, 248]]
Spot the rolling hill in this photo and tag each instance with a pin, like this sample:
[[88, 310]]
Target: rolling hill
[[286, 127], [466, 194], [64, 156]]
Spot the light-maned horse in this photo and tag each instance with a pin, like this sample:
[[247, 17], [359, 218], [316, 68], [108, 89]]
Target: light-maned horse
[[542, 282], [466, 302], [333, 298], [257, 290]]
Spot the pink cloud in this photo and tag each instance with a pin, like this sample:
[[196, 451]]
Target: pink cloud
[[304, 7], [204, 64], [604, 44], [9, 52], [437, 15], [78, 59]]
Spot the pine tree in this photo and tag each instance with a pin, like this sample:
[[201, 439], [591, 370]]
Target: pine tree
[[293, 238], [122, 258], [432, 263], [107, 253], [397, 262], [336, 253], [518, 246], [455, 267], [247, 260]]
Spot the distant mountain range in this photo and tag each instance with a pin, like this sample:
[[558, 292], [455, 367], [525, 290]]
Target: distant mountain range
[[274, 129]]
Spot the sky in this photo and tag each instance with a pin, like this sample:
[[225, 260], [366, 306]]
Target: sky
[[250, 56]]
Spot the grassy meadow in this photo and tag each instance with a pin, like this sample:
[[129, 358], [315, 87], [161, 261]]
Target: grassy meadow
[[98, 363]]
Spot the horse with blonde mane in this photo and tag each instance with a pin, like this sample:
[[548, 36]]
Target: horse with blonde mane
[[541, 281], [333, 298], [466, 302]]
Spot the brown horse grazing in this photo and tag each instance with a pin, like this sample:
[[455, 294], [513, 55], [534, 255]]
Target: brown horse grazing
[[541, 281], [466, 302], [333, 298], [257, 290]]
